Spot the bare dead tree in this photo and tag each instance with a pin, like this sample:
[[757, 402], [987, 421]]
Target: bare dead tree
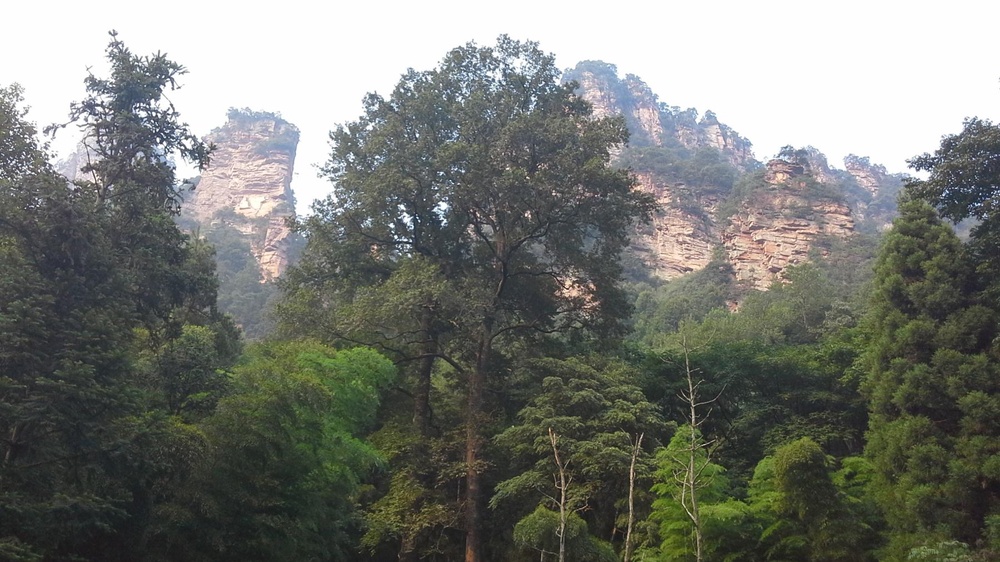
[[636, 451], [562, 481], [697, 455]]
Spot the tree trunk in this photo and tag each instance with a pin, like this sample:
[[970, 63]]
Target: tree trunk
[[422, 388], [636, 449], [422, 396], [693, 471], [474, 414], [562, 484]]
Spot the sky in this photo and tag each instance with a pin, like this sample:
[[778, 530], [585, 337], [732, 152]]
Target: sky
[[877, 78]]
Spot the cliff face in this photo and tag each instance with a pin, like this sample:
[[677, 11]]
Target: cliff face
[[874, 200], [677, 241], [631, 98], [779, 223], [247, 185], [871, 177], [693, 166], [652, 123]]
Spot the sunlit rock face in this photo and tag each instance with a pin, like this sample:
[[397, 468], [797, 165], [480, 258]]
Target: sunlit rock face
[[678, 240], [247, 185], [774, 225], [875, 203]]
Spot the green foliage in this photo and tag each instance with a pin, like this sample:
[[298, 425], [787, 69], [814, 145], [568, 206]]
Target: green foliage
[[931, 387], [767, 396], [703, 170], [964, 182], [946, 551], [286, 461], [20, 155], [817, 299], [112, 344], [247, 115], [661, 310], [538, 532], [727, 525], [241, 293], [742, 191], [813, 301], [280, 135], [808, 511], [596, 410], [491, 179]]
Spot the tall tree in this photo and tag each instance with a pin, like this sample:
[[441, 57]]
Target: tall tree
[[932, 388], [593, 410], [62, 383], [804, 510], [84, 270], [964, 182], [284, 459], [495, 177], [131, 132]]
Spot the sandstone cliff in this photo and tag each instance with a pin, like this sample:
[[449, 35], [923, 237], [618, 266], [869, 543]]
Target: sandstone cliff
[[779, 223], [652, 123], [713, 194], [247, 185], [677, 241], [874, 199]]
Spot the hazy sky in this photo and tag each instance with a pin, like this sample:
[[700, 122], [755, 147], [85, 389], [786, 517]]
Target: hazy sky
[[874, 78]]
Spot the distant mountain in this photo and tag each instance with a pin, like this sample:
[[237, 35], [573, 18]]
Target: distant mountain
[[247, 185], [242, 204], [714, 196]]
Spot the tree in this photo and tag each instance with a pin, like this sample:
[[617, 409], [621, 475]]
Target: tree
[[722, 528], [131, 131], [808, 511], [62, 387], [92, 275], [691, 462], [492, 178], [932, 388], [964, 182], [573, 447], [285, 459]]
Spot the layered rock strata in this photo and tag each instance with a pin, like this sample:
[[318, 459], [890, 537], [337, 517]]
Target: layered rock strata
[[774, 227], [778, 226], [247, 185], [676, 241]]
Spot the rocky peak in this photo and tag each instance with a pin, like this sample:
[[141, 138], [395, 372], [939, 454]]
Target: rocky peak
[[247, 185], [692, 163], [782, 171], [652, 123], [869, 176], [710, 132], [819, 168], [779, 225], [599, 84]]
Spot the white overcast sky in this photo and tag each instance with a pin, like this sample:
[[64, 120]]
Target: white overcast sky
[[874, 78]]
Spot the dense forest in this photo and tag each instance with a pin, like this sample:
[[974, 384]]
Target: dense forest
[[460, 368]]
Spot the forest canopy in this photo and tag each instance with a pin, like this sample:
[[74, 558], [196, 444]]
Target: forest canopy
[[461, 368]]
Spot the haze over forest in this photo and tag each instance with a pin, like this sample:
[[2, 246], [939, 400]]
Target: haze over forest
[[505, 335]]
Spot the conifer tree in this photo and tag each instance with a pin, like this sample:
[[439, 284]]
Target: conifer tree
[[96, 284], [933, 388]]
